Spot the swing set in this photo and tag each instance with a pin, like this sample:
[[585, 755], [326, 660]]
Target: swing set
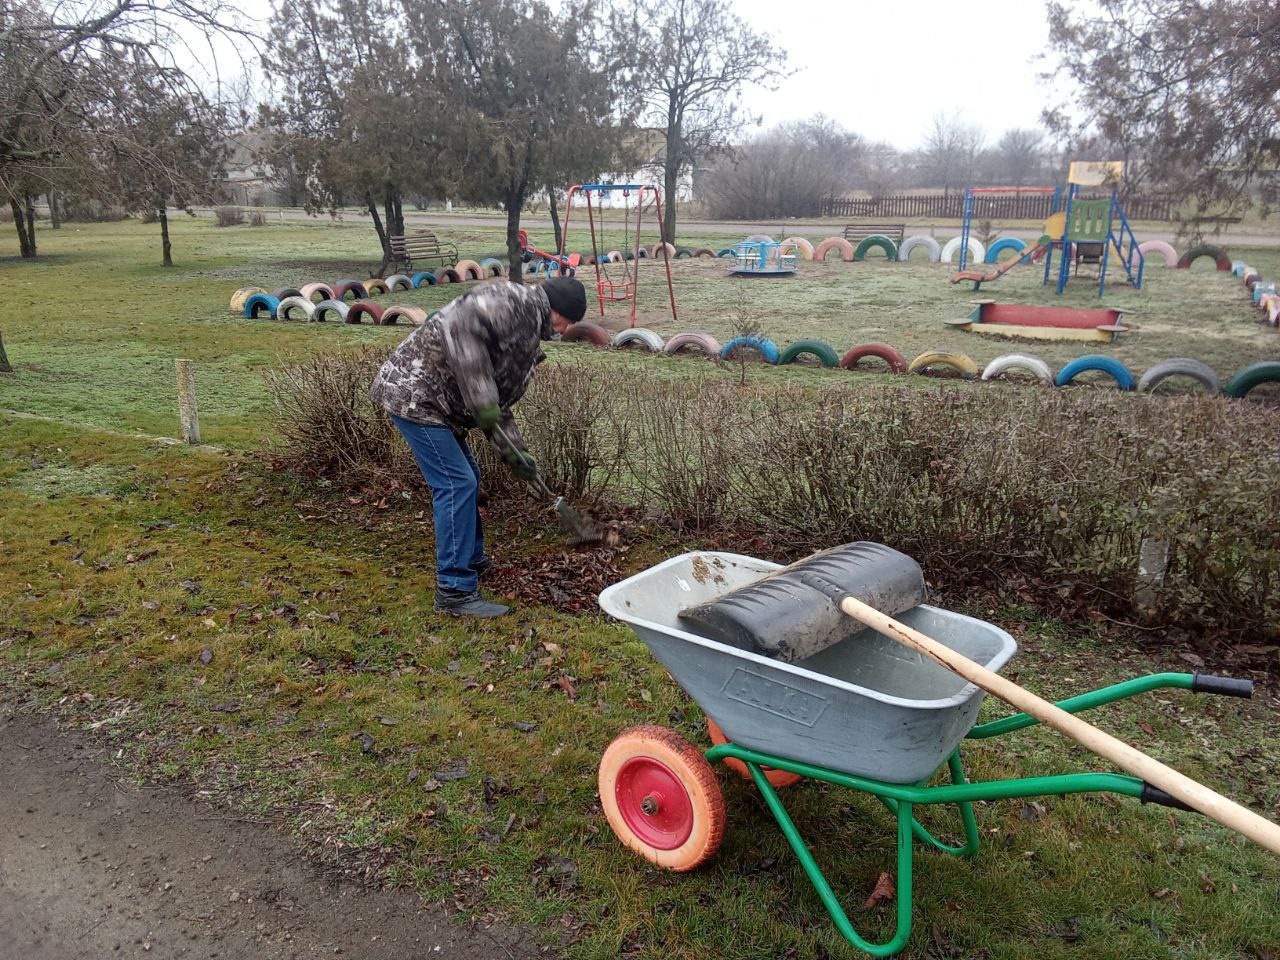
[[618, 273]]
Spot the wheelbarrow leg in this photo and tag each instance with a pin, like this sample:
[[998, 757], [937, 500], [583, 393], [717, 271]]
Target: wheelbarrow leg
[[971, 838], [905, 824]]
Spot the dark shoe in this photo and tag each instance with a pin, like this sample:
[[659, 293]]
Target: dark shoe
[[481, 565], [460, 603]]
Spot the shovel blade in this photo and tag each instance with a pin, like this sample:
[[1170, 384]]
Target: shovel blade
[[581, 530]]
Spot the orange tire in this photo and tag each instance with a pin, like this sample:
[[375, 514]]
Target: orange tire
[[777, 778], [373, 287], [834, 243], [468, 270], [661, 797]]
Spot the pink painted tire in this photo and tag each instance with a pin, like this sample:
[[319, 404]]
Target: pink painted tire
[[656, 250], [613, 256], [698, 341], [708, 252], [468, 270], [414, 316], [362, 308], [309, 291], [1165, 250], [896, 361], [834, 243]]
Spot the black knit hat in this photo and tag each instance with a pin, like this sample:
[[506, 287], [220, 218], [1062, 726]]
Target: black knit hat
[[568, 297]]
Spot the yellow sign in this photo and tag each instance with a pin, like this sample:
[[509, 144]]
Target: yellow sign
[[1095, 173]]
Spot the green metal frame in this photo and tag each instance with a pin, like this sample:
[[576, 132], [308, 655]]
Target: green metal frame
[[901, 799]]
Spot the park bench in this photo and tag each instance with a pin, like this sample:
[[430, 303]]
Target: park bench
[[855, 233], [424, 247]]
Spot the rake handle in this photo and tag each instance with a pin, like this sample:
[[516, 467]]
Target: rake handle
[[1195, 795]]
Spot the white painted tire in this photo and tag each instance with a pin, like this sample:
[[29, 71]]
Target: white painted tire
[[1180, 367], [1018, 361], [977, 252], [649, 339], [1165, 250], [398, 281], [803, 246], [296, 303], [920, 240], [758, 238], [331, 306]]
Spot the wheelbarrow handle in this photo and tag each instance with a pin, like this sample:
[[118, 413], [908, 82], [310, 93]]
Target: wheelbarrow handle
[[1179, 786]]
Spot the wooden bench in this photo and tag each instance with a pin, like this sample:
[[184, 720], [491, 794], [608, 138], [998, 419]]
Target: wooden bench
[[424, 247], [855, 233]]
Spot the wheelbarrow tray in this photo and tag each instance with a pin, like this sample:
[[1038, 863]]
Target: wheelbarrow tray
[[866, 705]]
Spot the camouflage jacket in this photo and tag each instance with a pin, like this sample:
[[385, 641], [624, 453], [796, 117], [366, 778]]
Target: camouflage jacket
[[479, 350]]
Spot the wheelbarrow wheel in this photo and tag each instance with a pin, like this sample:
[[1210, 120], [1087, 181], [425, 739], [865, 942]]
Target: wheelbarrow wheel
[[777, 778], [661, 797]]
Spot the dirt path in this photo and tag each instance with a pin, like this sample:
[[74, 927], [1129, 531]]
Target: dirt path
[[92, 867]]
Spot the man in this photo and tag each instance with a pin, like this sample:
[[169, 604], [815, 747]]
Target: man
[[464, 368]]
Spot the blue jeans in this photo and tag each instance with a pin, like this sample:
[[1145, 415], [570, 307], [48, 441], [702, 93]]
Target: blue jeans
[[454, 477]]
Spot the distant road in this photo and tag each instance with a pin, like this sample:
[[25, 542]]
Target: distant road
[[733, 228]]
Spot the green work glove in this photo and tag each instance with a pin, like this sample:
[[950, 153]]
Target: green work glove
[[488, 417], [523, 466]]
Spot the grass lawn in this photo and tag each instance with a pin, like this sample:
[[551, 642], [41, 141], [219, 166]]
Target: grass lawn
[[272, 643]]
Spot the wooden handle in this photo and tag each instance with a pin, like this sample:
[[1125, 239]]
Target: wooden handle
[[1196, 795]]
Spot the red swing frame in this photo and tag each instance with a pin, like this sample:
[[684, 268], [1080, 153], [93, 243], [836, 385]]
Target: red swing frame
[[607, 290]]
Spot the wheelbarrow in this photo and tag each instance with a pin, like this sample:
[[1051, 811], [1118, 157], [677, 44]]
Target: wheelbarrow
[[864, 713]]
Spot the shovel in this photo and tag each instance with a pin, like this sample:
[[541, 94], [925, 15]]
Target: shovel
[[580, 529]]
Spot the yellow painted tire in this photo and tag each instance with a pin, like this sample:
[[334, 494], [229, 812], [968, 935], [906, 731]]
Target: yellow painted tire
[[946, 358], [240, 296], [804, 247], [373, 287]]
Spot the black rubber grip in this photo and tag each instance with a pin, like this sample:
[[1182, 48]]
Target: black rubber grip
[[1223, 686], [1152, 794]]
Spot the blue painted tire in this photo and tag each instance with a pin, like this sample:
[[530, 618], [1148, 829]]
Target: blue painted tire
[[260, 302], [726, 252], [1111, 367], [423, 279], [492, 267], [768, 349], [1001, 245]]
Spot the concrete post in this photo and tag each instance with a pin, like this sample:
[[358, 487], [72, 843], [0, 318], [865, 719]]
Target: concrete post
[[188, 414]]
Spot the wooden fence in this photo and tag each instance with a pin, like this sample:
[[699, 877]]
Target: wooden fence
[[1022, 206]]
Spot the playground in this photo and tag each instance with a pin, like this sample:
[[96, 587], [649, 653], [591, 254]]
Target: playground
[[257, 635]]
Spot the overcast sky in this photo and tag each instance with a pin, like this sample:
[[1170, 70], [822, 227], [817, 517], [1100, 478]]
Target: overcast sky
[[883, 68]]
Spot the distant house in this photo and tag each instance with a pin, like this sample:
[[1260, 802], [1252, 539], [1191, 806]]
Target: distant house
[[247, 179]]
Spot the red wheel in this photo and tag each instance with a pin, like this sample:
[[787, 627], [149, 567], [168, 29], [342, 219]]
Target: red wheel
[[777, 778], [661, 797]]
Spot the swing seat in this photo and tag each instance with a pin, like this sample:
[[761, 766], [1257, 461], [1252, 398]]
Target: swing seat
[[613, 292]]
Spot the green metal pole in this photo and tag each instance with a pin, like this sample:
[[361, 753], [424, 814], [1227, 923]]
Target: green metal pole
[[903, 929], [1086, 701]]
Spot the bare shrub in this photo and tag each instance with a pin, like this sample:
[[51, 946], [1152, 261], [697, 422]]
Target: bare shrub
[[1056, 487], [257, 219], [229, 216]]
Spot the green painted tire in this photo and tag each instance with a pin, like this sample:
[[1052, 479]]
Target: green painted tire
[[816, 348], [876, 240], [1254, 375]]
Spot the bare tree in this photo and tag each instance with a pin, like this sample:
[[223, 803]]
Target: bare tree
[[541, 91], [58, 64], [1019, 156], [5, 365], [789, 171], [700, 57], [1189, 86], [164, 147], [950, 152]]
